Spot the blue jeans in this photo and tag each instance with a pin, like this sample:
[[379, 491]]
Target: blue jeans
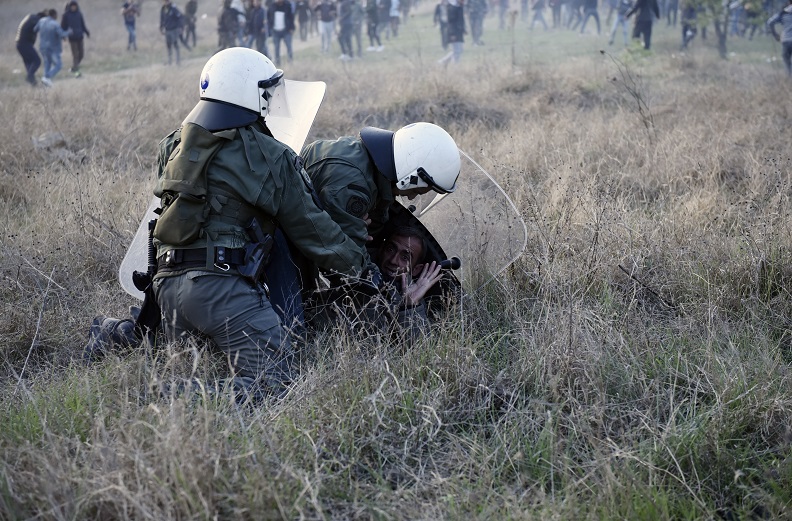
[[172, 41], [52, 62], [286, 36], [620, 20], [132, 42]]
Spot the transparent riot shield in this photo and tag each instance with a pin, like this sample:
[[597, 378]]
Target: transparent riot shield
[[478, 223], [294, 109]]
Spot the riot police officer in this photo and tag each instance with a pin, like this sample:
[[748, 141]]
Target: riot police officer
[[222, 174]]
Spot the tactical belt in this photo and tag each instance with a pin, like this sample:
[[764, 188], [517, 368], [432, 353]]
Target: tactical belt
[[179, 260]]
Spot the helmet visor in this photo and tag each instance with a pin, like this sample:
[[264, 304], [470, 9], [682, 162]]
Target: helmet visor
[[430, 182], [293, 108]]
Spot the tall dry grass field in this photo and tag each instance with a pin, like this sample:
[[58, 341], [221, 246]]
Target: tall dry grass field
[[634, 363]]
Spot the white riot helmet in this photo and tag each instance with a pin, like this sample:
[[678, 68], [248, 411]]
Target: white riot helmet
[[236, 87], [419, 155]]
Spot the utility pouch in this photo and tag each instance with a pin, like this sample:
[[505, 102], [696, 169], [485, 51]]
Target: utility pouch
[[182, 186], [181, 221]]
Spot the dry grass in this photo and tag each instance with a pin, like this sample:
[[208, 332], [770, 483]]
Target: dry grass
[[633, 364]]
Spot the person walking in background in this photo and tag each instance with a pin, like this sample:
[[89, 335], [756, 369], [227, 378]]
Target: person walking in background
[[302, 10], [357, 25], [477, 10], [26, 45], [190, 18], [621, 19], [671, 12], [384, 18], [613, 6], [647, 11], [51, 34], [280, 20], [130, 12], [327, 12], [689, 16], [441, 19], [752, 22], [257, 28], [555, 8], [171, 23], [73, 20], [345, 29], [239, 7], [784, 17], [456, 32], [574, 16], [590, 11], [538, 9], [394, 17], [227, 21], [372, 21]]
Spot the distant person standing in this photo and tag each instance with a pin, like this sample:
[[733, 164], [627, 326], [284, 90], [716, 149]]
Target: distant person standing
[[26, 45], [190, 19], [590, 11], [555, 8], [441, 19], [280, 19], [647, 11], [372, 21], [538, 9], [477, 10], [671, 12], [345, 29], [227, 22], [326, 11], [130, 12], [357, 26], [171, 24], [395, 13], [456, 32], [384, 18], [689, 19], [784, 17], [73, 19], [302, 10], [257, 27], [621, 19], [51, 34]]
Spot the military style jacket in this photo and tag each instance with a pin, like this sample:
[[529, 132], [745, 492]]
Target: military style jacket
[[349, 185], [250, 173]]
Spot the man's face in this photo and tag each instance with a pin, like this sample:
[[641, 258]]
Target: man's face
[[399, 254]]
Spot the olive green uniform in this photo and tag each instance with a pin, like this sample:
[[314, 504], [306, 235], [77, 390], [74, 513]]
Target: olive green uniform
[[250, 174], [349, 185]]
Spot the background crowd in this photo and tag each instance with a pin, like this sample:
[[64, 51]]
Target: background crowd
[[270, 25]]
